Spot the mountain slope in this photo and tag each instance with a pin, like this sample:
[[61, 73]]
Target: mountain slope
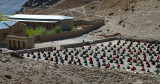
[[11, 6], [131, 18], [59, 6], [38, 4], [139, 18]]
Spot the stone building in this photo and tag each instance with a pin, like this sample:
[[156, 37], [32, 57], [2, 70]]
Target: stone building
[[48, 21], [18, 42], [11, 28]]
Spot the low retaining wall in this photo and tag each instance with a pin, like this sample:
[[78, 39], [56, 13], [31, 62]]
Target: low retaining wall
[[84, 22], [34, 49], [105, 40], [107, 36], [87, 43], [71, 34]]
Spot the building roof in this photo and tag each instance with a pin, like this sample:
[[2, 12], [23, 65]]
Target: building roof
[[39, 17], [6, 24], [42, 21]]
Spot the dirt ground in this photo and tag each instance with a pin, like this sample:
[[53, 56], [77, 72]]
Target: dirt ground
[[25, 71]]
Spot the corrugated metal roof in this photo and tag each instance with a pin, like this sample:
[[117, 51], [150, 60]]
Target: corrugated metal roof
[[6, 24], [43, 21], [36, 17]]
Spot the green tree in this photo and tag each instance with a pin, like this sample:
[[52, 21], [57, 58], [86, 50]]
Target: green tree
[[74, 29], [31, 32], [52, 31], [41, 30], [1, 16], [58, 29]]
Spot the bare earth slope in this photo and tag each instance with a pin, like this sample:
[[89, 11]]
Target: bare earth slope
[[139, 18]]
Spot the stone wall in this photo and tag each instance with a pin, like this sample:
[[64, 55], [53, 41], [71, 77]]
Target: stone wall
[[35, 49], [18, 42], [66, 25], [87, 43], [18, 29], [83, 22], [108, 38], [71, 34]]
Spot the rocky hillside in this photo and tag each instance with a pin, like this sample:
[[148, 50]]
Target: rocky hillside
[[11, 6], [38, 4], [131, 18], [51, 6]]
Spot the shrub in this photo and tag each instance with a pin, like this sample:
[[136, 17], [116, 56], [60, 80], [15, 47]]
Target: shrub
[[1, 16], [31, 32], [41, 30], [74, 29], [52, 31], [58, 29]]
